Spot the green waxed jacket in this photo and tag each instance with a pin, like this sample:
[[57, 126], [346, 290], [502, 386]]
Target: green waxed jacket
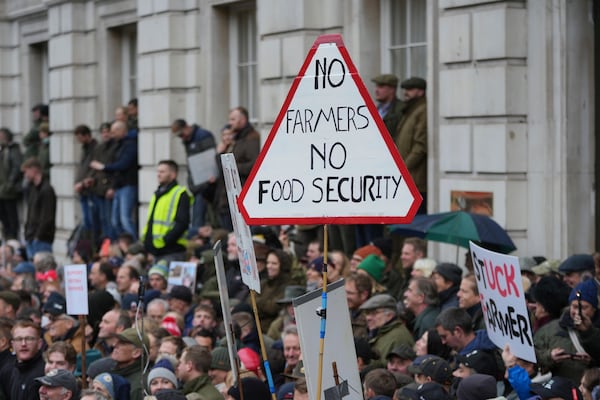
[[390, 336], [203, 386], [411, 140]]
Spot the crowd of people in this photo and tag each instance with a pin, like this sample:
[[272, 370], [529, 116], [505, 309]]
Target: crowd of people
[[418, 324]]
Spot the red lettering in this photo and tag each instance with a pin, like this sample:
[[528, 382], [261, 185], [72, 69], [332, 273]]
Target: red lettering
[[489, 273], [510, 280], [498, 271]]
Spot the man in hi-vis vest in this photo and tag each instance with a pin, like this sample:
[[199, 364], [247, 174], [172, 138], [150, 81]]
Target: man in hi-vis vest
[[165, 232]]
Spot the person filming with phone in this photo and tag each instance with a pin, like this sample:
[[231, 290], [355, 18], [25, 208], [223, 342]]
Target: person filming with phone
[[569, 345]]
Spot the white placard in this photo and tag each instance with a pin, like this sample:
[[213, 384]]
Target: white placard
[[329, 157], [76, 292], [503, 301], [339, 342], [243, 237], [203, 166], [182, 273]]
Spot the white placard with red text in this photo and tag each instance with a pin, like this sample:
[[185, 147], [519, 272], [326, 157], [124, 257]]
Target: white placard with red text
[[76, 292]]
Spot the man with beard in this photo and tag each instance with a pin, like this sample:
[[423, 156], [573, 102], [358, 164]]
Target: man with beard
[[235, 286], [27, 344], [411, 134]]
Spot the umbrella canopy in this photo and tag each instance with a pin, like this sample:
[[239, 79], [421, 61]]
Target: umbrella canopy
[[458, 227]]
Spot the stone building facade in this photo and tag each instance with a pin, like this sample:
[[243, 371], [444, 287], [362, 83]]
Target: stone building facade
[[511, 88]]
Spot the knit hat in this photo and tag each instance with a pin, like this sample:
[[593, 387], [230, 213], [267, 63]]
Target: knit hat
[[170, 324], [552, 294], [477, 387], [163, 369], [106, 380], [450, 272], [220, 359], [367, 250], [426, 265], [253, 388], [249, 359], [588, 290], [373, 265], [161, 269], [317, 264]]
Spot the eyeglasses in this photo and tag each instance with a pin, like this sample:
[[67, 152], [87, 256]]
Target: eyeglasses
[[27, 339]]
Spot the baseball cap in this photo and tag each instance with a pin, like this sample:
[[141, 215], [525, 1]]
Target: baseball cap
[[130, 335], [60, 378], [557, 386], [481, 361], [437, 369], [55, 305]]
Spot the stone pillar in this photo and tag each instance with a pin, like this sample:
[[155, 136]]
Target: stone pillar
[[73, 100], [10, 77], [170, 68]]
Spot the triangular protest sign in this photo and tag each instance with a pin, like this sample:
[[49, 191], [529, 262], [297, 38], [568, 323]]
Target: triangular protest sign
[[329, 158]]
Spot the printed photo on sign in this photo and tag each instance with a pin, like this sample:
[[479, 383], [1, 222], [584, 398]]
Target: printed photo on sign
[[182, 273], [503, 301]]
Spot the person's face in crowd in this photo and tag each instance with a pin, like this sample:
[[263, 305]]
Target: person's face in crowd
[[421, 344], [312, 251], [291, 349], [124, 352], [165, 174], [108, 324], [410, 94], [100, 388], [120, 114], [353, 296], [408, 256], [417, 273], [539, 311], [354, 262], [154, 345], [123, 279], [95, 277], [312, 275], [30, 174], [237, 120], [337, 259], [572, 279], [376, 318], [217, 376], [118, 130], [183, 368], [47, 289], [17, 283], [583, 387], [59, 325], [300, 396], [167, 348], [6, 310], [587, 309], [132, 110], [412, 297], [448, 338], [159, 383], [204, 319], [157, 282], [56, 360], [156, 312], [204, 341], [26, 343], [397, 364], [463, 371], [177, 305], [232, 250], [54, 393], [384, 93], [273, 265], [440, 283], [466, 294], [105, 134]]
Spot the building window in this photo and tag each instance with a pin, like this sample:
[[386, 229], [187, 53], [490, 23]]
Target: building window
[[39, 73], [404, 36], [129, 64], [243, 38]]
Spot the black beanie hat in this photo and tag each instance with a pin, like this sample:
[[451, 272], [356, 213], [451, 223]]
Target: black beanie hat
[[552, 294]]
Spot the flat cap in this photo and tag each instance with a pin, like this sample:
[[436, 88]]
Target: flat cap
[[130, 335], [403, 351], [386, 79], [414, 83], [379, 301], [60, 378], [577, 263]]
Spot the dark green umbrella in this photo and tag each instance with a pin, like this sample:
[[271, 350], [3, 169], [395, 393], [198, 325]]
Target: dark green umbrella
[[458, 227]]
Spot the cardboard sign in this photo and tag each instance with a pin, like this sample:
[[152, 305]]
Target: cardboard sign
[[243, 237], [76, 292], [339, 342], [329, 157], [503, 301]]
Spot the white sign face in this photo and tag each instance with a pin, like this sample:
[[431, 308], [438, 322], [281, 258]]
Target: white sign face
[[503, 301], [182, 273], [339, 342], [76, 292], [329, 157], [243, 237]]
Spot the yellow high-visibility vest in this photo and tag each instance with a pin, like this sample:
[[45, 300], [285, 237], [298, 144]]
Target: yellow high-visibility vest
[[165, 211]]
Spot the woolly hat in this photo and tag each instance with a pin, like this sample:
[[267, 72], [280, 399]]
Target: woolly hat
[[106, 380], [253, 388], [450, 272], [220, 359], [477, 387], [249, 359], [367, 250], [170, 324], [552, 294], [425, 265], [373, 265], [163, 369], [160, 269], [588, 290]]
